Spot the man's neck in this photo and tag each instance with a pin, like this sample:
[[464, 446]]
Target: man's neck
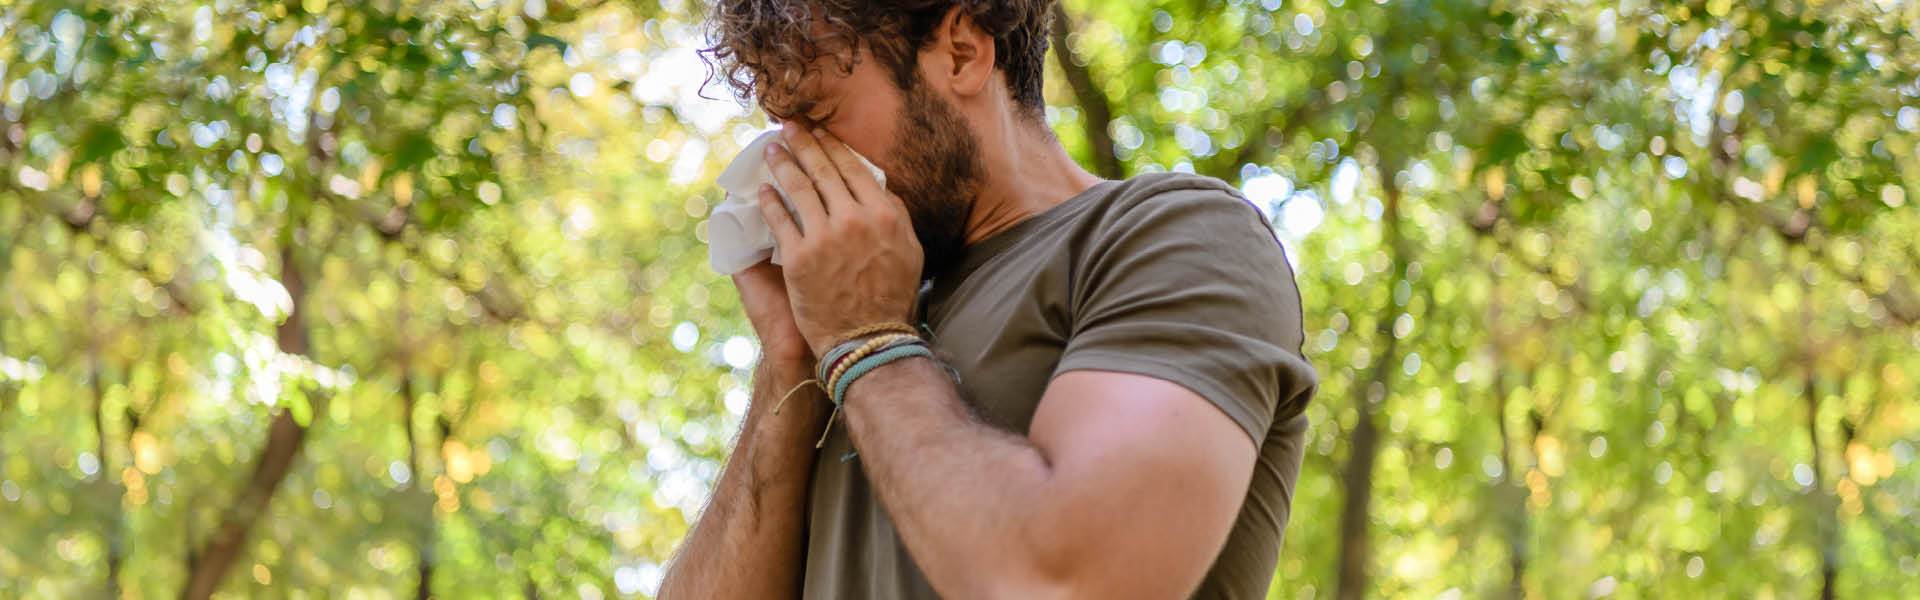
[[1027, 173]]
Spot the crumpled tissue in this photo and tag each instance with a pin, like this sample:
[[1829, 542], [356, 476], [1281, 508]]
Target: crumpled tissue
[[737, 237]]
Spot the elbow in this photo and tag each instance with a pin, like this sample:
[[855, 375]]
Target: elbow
[[1045, 566], [1050, 586], [1089, 582], [1055, 562], [1017, 565], [1027, 583]]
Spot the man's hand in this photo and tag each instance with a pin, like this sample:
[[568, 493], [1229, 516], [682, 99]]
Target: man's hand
[[763, 293], [750, 542], [852, 260]]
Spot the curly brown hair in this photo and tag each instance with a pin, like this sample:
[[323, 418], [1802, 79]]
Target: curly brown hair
[[765, 49]]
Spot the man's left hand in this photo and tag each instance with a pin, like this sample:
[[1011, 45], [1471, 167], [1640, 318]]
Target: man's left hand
[[851, 259]]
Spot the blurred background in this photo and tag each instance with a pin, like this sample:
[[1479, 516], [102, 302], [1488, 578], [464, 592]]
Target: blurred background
[[405, 297]]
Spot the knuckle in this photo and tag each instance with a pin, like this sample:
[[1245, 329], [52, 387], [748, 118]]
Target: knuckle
[[786, 172], [806, 196], [819, 164]]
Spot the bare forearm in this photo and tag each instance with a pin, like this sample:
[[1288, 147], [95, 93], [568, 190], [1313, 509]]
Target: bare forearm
[[964, 495], [750, 541]]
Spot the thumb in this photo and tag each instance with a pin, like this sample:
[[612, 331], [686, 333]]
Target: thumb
[[763, 288], [761, 275]]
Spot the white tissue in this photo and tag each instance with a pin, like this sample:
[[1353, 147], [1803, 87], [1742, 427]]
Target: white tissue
[[737, 237]]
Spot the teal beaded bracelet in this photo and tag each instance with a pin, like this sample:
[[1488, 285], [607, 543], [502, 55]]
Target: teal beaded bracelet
[[874, 361], [824, 367]]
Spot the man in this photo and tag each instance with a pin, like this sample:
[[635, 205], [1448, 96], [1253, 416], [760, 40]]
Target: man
[[1126, 420]]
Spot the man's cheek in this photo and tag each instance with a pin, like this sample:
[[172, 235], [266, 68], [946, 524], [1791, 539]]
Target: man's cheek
[[867, 135]]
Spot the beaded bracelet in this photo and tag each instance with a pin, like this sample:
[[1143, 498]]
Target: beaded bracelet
[[868, 363], [851, 360], [834, 355], [862, 332], [871, 346]]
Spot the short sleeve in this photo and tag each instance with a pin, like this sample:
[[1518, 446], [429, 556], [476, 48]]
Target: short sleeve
[[1186, 283]]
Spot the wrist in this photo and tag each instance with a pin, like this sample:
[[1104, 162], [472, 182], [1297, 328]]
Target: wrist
[[775, 378], [784, 367]]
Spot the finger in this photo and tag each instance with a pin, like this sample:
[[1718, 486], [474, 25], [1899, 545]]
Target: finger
[[853, 171], [777, 217], [799, 187], [813, 160]]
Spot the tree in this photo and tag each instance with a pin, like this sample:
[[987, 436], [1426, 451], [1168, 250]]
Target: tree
[[410, 296]]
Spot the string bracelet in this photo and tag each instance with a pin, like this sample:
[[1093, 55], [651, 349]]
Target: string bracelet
[[796, 388], [864, 331]]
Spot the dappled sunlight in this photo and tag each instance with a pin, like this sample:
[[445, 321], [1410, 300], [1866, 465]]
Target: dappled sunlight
[[1630, 294]]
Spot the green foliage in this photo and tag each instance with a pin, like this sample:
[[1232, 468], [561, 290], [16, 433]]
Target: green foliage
[[1629, 292]]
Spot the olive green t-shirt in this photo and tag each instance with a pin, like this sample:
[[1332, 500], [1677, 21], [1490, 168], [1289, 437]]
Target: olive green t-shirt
[[1166, 275]]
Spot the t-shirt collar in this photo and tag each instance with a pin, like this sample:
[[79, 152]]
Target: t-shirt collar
[[978, 253]]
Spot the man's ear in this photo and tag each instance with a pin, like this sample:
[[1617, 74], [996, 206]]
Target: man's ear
[[959, 55]]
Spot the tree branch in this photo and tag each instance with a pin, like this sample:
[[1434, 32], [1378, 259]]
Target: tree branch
[[81, 220], [1485, 223], [391, 227], [1902, 304], [1255, 150]]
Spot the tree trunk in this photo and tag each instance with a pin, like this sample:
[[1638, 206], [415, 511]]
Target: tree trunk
[[423, 588], [1095, 106], [109, 482], [1357, 476], [209, 563], [1825, 506], [9, 389], [1824, 515], [1509, 490]]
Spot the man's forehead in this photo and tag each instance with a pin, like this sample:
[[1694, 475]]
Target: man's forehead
[[817, 90], [817, 81]]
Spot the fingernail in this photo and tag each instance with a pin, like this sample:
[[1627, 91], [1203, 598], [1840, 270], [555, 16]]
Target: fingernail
[[818, 133]]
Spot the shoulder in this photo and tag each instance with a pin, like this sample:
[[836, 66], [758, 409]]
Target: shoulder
[[1177, 191], [1184, 205]]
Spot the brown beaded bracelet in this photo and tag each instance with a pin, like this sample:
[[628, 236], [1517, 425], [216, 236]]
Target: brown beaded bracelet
[[876, 328]]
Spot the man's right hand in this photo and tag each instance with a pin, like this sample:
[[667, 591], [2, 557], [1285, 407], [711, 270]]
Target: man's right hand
[[763, 293]]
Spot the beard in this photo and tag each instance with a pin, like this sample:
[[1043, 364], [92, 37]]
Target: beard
[[939, 173]]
